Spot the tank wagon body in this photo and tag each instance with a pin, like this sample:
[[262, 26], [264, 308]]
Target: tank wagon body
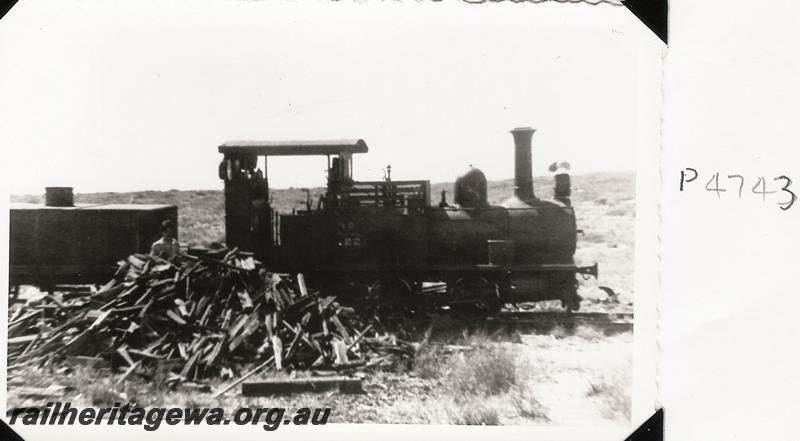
[[385, 243], [63, 243]]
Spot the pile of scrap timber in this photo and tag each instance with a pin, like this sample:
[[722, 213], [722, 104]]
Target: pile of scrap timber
[[198, 315]]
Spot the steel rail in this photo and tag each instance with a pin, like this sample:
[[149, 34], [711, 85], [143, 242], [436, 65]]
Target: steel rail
[[611, 322]]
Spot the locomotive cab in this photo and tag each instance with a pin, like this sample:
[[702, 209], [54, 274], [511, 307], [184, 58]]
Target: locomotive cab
[[251, 223]]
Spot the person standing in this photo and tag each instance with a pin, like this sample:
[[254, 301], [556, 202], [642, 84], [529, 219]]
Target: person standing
[[563, 187], [167, 247]]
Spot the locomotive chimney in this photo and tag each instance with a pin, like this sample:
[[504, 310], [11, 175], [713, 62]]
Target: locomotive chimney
[[523, 173]]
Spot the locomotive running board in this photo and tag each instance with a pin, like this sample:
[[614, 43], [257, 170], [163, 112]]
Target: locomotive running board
[[585, 270]]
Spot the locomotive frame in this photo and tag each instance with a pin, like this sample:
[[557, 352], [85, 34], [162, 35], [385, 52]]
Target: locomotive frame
[[383, 243]]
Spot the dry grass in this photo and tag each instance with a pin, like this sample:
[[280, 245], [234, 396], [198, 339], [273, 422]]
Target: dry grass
[[527, 405], [620, 211], [559, 332], [430, 362], [588, 333], [614, 395], [485, 371], [584, 332], [103, 394], [476, 413], [479, 385]]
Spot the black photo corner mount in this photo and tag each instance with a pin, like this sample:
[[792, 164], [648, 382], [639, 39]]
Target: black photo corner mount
[[650, 430], [653, 13], [5, 6], [7, 433]]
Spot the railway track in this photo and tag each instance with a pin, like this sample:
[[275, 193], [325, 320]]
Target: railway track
[[543, 321]]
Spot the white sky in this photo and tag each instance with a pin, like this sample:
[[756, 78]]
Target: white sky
[[119, 96]]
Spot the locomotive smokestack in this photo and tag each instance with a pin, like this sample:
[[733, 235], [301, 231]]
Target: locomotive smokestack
[[523, 165]]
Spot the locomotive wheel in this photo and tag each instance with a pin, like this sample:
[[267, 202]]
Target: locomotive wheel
[[390, 292], [355, 293], [476, 295], [489, 307]]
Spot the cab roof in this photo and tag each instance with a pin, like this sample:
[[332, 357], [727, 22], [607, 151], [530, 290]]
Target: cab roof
[[295, 148]]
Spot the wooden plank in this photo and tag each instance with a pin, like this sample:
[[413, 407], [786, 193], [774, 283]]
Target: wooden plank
[[286, 295], [226, 320], [120, 273], [349, 365], [340, 327], [198, 343], [77, 341], [247, 263], [52, 391], [32, 344], [144, 354], [175, 317], [127, 309], [182, 351], [302, 304], [201, 305], [249, 374], [245, 300], [162, 282], [238, 324], [339, 351], [299, 331], [144, 310], [269, 324], [144, 296], [128, 372], [326, 302], [21, 320], [91, 362], [300, 385], [122, 351], [22, 340], [277, 349], [57, 334], [190, 364], [252, 324], [195, 387], [136, 262], [128, 292], [206, 314], [211, 359], [293, 346], [181, 307], [156, 343], [325, 331], [359, 337], [231, 254], [301, 284]]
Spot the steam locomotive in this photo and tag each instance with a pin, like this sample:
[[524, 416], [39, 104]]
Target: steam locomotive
[[385, 244]]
